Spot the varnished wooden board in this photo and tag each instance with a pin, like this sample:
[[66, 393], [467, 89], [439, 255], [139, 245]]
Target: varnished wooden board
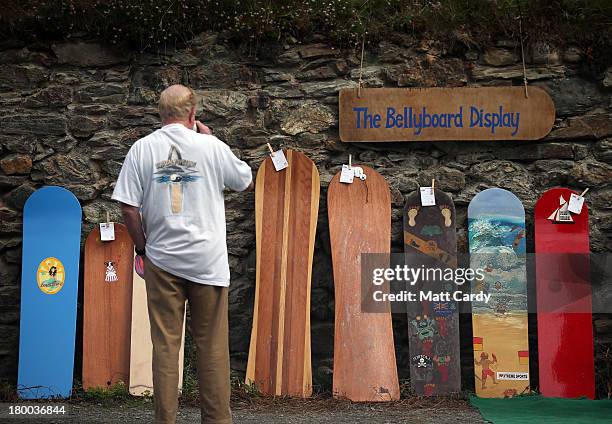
[[430, 241], [141, 352], [286, 210], [364, 356], [465, 113], [107, 305]]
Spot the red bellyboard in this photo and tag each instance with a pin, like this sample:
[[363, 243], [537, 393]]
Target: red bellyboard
[[364, 356], [107, 308], [565, 328]]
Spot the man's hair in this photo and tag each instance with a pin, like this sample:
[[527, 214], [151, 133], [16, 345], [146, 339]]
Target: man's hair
[[176, 102]]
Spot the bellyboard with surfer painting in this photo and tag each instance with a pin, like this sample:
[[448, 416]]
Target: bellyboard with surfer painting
[[496, 221]]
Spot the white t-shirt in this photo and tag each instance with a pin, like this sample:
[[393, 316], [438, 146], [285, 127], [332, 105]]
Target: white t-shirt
[[177, 177]]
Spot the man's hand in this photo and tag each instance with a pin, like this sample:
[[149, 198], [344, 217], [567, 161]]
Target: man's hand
[[203, 129], [139, 265]]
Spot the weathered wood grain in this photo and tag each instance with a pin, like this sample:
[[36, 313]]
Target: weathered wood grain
[[364, 354]]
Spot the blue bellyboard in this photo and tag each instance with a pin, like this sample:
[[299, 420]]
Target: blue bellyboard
[[49, 287]]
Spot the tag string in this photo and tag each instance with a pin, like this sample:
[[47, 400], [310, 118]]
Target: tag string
[[365, 30], [271, 150], [361, 65], [523, 52]]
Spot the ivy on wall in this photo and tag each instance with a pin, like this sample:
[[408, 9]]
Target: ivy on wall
[[150, 24]]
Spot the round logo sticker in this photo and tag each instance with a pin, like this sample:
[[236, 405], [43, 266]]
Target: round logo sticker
[[50, 275]]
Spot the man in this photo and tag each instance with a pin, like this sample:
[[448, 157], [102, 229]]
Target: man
[[175, 177]]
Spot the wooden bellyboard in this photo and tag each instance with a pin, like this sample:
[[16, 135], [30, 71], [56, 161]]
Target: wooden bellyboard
[[107, 308], [141, 347], [286, 210], [430, 240], [563, 290], [49, 287], [364, 356], [496, 224]]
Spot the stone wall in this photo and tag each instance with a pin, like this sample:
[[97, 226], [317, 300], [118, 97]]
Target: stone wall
[[70, 111]]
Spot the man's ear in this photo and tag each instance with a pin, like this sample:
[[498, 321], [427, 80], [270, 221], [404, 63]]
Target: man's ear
[[192, 114]]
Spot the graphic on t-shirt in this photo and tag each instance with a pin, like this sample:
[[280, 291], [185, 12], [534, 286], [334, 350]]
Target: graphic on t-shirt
[[175, 172]]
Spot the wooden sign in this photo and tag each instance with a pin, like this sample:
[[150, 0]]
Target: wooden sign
[[428, 114]]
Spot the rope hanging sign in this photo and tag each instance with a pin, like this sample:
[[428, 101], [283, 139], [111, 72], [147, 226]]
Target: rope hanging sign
[[432, 114], [428, 114]]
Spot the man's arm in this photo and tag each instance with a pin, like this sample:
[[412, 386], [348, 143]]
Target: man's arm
[[203, 129], [133, 222]]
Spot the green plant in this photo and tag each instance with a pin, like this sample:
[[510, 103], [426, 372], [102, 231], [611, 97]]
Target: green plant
[[250, 390], [153, 24], [106, 395]]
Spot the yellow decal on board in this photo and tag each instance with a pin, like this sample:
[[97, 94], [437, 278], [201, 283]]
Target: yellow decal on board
[[50, 275]]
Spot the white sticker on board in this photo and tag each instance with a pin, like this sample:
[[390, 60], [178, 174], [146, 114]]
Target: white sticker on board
[[575, 203], [428, 197], [107, 231], [520, 376], [347, 175], [279, 160]]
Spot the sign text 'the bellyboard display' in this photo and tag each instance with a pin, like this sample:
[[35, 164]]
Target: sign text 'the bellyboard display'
[[428, 114]]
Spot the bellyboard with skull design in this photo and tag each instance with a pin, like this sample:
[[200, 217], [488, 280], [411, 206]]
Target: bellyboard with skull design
[[107, 308], [430, 242]]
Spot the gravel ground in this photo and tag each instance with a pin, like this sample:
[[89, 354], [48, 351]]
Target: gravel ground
[[324, 411]]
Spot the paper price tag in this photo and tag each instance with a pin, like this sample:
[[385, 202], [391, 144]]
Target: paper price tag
[[279, 160], [107, 231], [347, 175], [575, 203], [428, 197]]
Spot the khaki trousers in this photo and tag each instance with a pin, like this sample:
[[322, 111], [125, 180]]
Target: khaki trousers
[[166, 296]]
